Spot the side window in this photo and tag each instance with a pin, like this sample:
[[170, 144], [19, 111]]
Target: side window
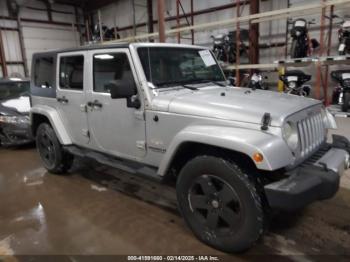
[[72, 72], [44, 72], [111, 68]]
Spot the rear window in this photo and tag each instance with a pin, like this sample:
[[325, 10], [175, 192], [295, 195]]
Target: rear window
[[44, 72]]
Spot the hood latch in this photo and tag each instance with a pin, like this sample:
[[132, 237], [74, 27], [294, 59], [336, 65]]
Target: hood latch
[[265, 122]]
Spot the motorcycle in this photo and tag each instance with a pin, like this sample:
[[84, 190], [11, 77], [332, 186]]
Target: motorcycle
[[294, 83], [224, 46], [257, 82], [344, 37], [301, 43], [107, 33], [341, 94]]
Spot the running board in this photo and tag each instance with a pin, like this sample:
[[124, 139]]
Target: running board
[[122, 164]]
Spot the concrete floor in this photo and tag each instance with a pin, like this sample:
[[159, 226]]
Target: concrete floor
[[97, 210]]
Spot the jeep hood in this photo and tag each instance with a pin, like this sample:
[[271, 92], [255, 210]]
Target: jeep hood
[[233, 103], [15, 106]]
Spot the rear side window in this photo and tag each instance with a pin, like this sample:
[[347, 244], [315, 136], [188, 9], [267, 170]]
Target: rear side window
[[44, 72], [111, 68], [72, 72]]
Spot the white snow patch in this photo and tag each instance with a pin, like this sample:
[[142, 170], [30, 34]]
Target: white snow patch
[[22, 104]]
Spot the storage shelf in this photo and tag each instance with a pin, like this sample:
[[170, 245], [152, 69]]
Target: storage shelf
[[336, 111], [297, 62]]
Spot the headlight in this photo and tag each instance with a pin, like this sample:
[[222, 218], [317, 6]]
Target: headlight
[[292, 85], [328, 119], [290, 134], [14, 119]]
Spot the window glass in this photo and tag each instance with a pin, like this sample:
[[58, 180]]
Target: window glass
[[13, 89], [111, 68], [44, 72], [72, 72], [166, 66]]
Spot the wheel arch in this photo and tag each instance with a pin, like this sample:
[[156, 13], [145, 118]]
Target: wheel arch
[[235, 142], [45, 114]]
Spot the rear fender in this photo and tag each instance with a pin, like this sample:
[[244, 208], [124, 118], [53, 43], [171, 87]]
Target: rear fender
[[55, 120]]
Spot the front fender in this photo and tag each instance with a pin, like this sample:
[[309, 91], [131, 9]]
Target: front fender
[[55, 120], [247, 141]]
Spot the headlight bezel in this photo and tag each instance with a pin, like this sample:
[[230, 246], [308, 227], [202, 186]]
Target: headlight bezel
[[9, 119], [291, 136]]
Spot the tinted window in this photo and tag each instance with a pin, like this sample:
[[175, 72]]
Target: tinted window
[[72, 72], [111, 68], [166, 66], [14, 89], [44, 72]]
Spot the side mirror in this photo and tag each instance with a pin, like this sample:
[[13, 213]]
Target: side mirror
[[124, 91], [232, 80], [120, 91]]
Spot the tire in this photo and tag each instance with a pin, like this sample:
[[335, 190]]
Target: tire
[[220, 203], [293, 49], [346, 102], [53, 157]]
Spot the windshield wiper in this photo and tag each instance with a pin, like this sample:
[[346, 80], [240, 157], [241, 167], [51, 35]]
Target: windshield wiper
[[202, 81], [176, 83]]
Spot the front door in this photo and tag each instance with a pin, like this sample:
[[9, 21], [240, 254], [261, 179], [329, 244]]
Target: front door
[[71, 95], [116, 127]]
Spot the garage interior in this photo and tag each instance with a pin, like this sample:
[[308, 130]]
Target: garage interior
[[98, 210]]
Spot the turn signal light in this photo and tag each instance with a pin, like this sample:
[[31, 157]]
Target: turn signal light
[[258, 158]]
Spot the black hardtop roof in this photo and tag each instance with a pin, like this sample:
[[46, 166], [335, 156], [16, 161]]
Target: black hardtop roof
[[83, 48]]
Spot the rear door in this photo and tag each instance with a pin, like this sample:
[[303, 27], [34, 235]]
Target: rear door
[[71, 102]]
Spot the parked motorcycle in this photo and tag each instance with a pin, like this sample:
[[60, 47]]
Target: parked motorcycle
[[344, 37], [294, 83], [107, 33], [224, 46], [257, 82], [301, 43], [341, 94]]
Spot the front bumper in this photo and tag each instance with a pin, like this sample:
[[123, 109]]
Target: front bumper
[[15, 134], [313, 180]]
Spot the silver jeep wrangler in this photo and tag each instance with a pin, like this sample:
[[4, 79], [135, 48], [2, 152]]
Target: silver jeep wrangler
[[166, 111]]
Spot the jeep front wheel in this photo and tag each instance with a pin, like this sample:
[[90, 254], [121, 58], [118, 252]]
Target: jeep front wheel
[[220, 203], [54, 158]]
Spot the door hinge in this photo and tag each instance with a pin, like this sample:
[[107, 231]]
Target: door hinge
[[86, 132], [141, 145], [139, 115]]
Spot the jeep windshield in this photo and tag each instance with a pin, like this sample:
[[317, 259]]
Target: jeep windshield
[[174, 66]]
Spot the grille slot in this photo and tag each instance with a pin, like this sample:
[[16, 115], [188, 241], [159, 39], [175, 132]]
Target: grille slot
[[311, 133]]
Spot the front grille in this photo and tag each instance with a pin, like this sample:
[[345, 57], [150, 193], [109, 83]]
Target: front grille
[[311, 134]]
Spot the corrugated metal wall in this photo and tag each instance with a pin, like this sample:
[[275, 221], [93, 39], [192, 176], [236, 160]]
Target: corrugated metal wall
[[37, 36]]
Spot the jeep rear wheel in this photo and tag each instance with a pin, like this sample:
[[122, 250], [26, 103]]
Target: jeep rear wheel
[[54, 158], [220, 203]]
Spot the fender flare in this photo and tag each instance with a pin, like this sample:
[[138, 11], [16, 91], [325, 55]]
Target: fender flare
[[245, 141], [55, 120]]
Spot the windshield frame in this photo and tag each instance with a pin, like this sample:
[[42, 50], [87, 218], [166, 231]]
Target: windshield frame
[[151, 86]]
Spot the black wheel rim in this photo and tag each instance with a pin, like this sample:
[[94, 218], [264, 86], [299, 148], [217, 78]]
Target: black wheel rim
[[215, 204], [46, 149]]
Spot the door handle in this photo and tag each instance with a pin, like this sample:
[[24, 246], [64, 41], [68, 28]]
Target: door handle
[[62, 100], [95, 104]]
